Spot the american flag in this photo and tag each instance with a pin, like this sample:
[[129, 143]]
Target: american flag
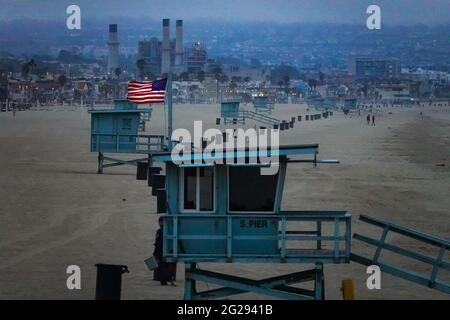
[[147, 91]]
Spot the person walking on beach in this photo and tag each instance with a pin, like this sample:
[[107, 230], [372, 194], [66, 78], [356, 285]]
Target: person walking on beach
[[373, 120], [166, 271], [368, 119]]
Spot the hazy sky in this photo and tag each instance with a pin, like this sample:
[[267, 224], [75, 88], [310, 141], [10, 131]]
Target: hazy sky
[[393, 12]]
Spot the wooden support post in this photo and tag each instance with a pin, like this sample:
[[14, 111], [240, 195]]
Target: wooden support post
[[190, 289], [319, 283], [100, 163]]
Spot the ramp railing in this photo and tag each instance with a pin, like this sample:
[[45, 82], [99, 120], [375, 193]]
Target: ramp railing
[[260, 117], [436, 262]]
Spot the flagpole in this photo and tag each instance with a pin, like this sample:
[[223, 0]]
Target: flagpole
[[169, 110]]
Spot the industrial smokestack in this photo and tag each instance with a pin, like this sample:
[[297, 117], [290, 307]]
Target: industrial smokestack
[[165, 66], [179, 50], [113, 45]]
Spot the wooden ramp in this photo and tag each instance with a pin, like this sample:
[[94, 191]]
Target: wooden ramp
[[380, 245]]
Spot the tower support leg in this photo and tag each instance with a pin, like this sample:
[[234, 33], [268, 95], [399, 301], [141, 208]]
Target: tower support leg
[[276, 287], [319, 283], [100, 163], [190, 290]]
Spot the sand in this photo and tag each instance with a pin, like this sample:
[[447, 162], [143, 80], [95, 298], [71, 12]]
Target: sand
[[57, 211]]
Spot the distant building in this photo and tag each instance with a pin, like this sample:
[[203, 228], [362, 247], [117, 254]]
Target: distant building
[[113, 46], [394, 92], [261, 73], [375, 68], [151, 52], [196, 58], [160, 56]]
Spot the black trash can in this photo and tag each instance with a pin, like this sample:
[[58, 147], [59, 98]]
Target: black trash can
[[141, 172], [109, 281], [299, 118], [276, 126], [307, 117], [151, 172], [217, 121]]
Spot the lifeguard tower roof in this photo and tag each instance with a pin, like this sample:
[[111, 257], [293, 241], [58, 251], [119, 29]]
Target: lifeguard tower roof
[[282, 152]]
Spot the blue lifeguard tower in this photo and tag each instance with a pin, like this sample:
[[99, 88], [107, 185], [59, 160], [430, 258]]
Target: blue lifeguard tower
[[229, 213], [350, 103], [117, 130], [231, 112], [321, 103], [262, 103]]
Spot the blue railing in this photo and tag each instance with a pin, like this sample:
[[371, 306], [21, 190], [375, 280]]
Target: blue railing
[[127, 143], [436, 263], [259, 237]]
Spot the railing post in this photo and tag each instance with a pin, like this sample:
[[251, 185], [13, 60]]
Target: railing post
[[436, 264], [175, 236], [319, 234], [283, 237], [229, 238], [336, 238], [348, 236], [382, 239]]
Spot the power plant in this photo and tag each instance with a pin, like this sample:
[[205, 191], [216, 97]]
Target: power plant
[[113, 45], [160, 57], [179, 49], [166, 50]]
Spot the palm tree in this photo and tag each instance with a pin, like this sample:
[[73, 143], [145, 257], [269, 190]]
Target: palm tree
[[233, 87], [287, 82], [117, 72], [62, 80]]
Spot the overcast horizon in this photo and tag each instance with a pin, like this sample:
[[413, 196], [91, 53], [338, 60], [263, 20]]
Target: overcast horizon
[[398, 12]]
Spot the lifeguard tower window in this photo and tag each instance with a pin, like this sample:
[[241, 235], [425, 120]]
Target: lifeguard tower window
[[198, 189], [251, 191], [126, 124]]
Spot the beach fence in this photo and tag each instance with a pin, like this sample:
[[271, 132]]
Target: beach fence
[[289, 124]]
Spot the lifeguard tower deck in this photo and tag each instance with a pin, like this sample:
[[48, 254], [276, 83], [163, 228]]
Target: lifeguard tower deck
[[232, 213]]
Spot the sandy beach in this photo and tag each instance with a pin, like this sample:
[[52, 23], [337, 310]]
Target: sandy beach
[[55, 210]]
